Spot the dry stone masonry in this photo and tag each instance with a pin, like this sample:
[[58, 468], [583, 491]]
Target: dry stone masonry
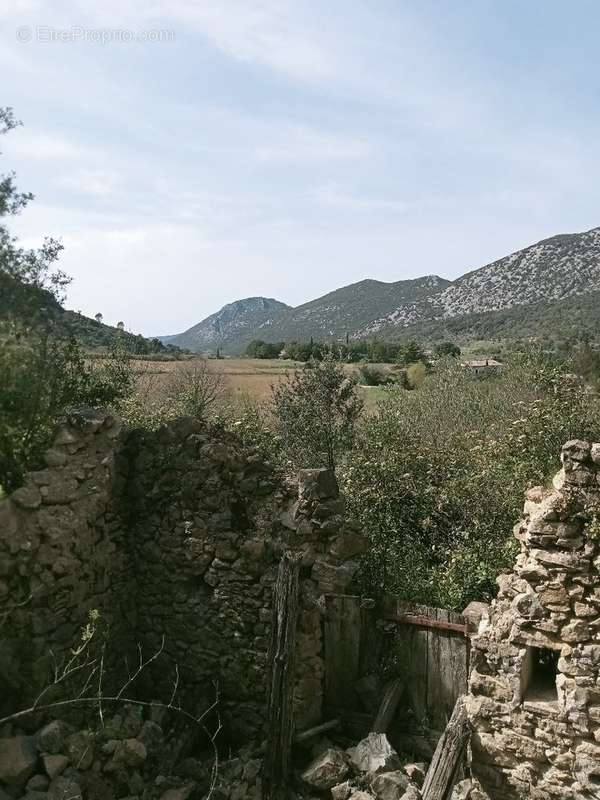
[[62, 553], [174, 536], [534, 700]]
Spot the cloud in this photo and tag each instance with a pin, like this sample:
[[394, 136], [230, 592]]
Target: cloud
[[303, 144], [267, 33], [278, 138], [264, 33], [29, 145], [335, 197]]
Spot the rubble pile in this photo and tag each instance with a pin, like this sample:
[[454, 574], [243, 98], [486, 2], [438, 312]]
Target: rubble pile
[[127, 754], [372, 770]]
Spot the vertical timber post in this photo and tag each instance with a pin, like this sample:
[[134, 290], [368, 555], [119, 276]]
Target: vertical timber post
[[280, 701], [448, 755]]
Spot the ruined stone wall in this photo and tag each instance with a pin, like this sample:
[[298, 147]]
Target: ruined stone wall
[[534, 698], [61, 555], [207, 526], [175, 536]]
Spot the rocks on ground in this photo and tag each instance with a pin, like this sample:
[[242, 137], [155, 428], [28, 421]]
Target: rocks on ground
[[372, 770], [123, 758]]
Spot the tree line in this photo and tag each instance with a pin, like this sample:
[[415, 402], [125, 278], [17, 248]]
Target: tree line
[[373, 351]]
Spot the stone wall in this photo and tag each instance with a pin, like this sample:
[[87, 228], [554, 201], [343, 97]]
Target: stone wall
[[534, 698], [61, 555], [175, 536]]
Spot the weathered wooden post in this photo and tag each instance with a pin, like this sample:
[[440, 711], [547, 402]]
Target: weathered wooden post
[[280, 702], [448, 755]]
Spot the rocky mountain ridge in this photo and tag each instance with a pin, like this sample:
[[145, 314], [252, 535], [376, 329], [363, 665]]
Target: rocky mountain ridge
[[229, 325], [543, 275]]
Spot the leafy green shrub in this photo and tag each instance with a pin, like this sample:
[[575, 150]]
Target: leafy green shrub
[[40, 377], [436, 477], [260, 349], [315, 411], [370, 376], [445, 349], [253, 425], [195, 389]]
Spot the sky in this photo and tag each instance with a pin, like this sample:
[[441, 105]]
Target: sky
[[193, 152]]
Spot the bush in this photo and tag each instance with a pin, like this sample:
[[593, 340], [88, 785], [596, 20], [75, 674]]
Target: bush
[[369, 376], [315, 411], [195, 389], [40, 377], [436, 477], [260, 349], [253, 426], [445, 349]]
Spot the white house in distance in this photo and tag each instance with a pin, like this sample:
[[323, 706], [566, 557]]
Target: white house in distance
[[483, 366]]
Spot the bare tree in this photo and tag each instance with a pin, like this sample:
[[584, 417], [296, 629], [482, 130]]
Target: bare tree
[[196, 388]]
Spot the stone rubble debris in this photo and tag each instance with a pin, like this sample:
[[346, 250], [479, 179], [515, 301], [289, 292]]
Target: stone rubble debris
[[371, 770]]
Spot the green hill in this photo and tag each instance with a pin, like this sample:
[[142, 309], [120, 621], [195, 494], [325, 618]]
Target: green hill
[[31, 307]]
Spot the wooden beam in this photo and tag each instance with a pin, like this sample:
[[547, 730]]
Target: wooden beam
[[449, 753], [388, 706], [427, 622], [310, 732], [281, 659]]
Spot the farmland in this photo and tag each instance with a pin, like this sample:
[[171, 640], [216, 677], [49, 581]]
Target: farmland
[[244, 378]]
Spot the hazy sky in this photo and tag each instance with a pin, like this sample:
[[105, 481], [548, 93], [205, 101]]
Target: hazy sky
[[288, 147]]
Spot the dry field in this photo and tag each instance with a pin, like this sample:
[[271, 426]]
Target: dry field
[[243, 377], [249, 378]]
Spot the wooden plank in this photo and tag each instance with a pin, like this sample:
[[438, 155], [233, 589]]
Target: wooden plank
[[428, 622], [389, 705], [457, 657], [421, 745], [440, 689], [355, 724], [324, 726], [415, 640], [447, 672], [448, 756], [436, 659], [281, 660], [342, 629], [371, 642], [368, 690]]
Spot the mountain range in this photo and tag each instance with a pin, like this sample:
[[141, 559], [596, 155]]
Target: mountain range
[[549, 289]]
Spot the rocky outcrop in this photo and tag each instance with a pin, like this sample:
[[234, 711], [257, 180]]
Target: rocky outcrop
[[534, 698]]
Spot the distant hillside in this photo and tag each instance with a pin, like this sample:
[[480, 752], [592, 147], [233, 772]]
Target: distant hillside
[[572, 318], [33, 307], [348, 310], [329, 317], [230, 327], [548, 289], [551, 270]]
